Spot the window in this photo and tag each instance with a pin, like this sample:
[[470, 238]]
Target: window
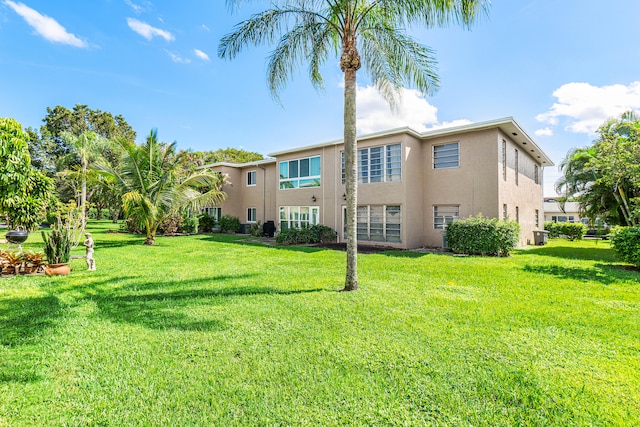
[[536, 174], [215, 212], [298, 216], [537, 218], [377, 164], [504, 159], [516, 167], [446, 156], [379, 223], [562, 218], [251, 215], [300, 173], [443, 215], [505, 214], [251, 178]]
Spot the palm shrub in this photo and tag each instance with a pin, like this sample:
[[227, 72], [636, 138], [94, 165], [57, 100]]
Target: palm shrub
[[625, 241], [483, 236], [58, 243]]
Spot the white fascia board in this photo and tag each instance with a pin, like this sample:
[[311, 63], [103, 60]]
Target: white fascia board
[[238, 165]]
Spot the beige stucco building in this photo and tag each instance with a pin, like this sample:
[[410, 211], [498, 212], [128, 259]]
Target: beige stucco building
[[410, 184]]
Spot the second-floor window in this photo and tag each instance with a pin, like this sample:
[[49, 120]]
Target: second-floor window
[[300, 173], [251, 178], [446, 156], [377, 164]]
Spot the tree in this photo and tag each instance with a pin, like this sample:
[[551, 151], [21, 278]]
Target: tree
[[369, 32], [191, 160], [149, 186], [24, 191], [605, 177], [88, 146]]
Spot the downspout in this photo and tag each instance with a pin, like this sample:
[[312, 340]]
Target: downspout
[[264, 194]]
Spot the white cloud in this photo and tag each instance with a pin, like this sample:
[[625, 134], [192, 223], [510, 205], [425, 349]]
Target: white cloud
[[204, 27], [47, 27], [374, 113], [177, 58], [200, 54], [136, 7], [147, 31], [544, 132], [585, 107]]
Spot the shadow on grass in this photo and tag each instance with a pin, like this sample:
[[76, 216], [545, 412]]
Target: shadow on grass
[[568, 252], [245, 241], [22, 323], [607, 274]]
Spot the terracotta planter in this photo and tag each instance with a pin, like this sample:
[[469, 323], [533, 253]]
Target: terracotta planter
[[57, 270]]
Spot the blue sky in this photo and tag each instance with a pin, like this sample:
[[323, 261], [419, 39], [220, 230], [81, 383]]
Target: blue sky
[[559, 67]]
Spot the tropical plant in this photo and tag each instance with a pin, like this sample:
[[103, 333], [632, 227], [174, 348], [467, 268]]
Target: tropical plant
[[88, 146], [58, 242], [369, 32], [24, 191], [605, 177], [206, 222], [150, 188]]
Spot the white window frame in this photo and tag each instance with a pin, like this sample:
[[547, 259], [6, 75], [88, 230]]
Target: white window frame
[[389, 231], [440, 221], [387, 161], [294, 216], [251, 178], [214, 211], [452, 160], [311, 181], [252, 215]]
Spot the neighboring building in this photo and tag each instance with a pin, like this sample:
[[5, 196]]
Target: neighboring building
[[557, 212], [411, 185]]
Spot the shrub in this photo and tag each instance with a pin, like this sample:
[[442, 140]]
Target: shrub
[[304, 235], [229, 223], [625, 241], [206, 223], [483, 236], [256, 229], [570, 230], [57, 243], [171, 224], [190, 225], [130, 225]]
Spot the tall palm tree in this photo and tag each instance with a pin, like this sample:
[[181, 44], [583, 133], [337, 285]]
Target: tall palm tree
[[369, 32], [150, 188], [88, 147]]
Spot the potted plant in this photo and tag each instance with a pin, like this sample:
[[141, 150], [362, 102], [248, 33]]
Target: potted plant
[[57, 248]]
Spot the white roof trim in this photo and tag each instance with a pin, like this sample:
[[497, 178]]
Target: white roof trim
[[238, 165]]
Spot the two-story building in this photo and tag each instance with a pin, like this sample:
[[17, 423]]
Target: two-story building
[[410, 184]]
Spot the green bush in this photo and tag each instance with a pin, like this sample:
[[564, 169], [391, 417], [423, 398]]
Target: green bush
[[305, 235], [206, 223], [570, 230], [625, 241], [190, 225], [171, 224], [229, 223], [483, 236], [255, 229]]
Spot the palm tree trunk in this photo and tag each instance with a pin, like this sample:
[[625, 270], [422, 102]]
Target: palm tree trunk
[[83, 194], [350, 63]]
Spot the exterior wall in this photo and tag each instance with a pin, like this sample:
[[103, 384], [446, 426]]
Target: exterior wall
[[472, 186], [524, 197], [240, 196], [477, 185]]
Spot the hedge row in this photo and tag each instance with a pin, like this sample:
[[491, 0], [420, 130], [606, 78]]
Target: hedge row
[[625, 241], [570, 230], [483, 236]]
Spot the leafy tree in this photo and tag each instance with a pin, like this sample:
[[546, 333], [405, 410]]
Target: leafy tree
[[150, 188], [191, 160], [24, 191], [605, 177], [369, 32]]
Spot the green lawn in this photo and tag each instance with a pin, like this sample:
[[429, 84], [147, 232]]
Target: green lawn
[[212, 330]]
